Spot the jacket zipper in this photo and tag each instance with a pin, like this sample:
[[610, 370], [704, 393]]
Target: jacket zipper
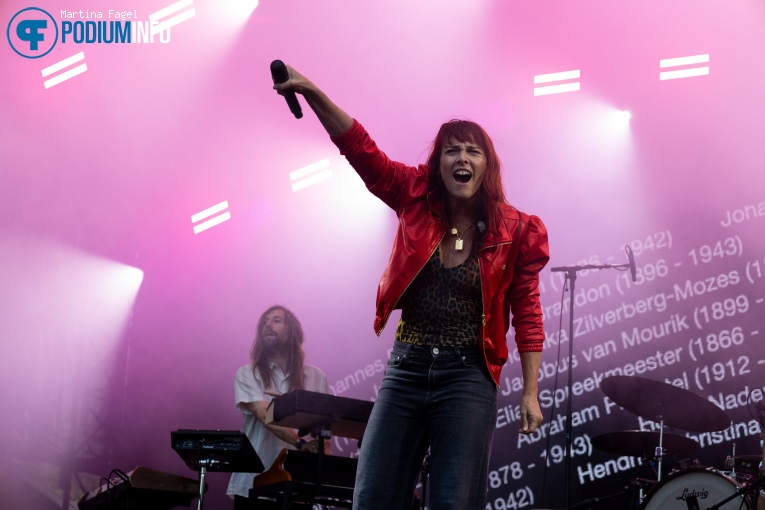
[[483, 306], [385, 322]]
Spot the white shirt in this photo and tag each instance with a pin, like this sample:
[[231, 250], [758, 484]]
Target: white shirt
[[249, 388]]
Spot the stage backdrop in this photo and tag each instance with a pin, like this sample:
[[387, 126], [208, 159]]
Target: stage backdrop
[[124, 317]]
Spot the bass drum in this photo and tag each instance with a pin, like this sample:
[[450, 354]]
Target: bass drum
[[707, 485]]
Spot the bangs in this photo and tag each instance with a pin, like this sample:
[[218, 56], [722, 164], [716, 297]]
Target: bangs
[[461, 131], [464, 131]]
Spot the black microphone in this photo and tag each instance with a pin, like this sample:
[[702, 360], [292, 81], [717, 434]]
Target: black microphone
[[280, 75], [631, 258]]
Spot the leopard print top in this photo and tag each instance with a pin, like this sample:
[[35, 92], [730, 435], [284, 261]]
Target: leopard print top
[[442, 306]]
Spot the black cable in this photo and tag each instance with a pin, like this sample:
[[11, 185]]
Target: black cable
[[104, 481], [125, 482], [555, 388], [748, 404], [109, 492]]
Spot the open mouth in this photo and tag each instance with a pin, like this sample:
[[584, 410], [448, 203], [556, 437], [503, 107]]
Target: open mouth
[[462, 176]]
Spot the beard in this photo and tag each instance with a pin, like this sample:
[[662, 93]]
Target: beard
[[273, 343]]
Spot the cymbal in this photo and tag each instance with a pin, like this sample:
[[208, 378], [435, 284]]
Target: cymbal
[[640, 443], [655, 400]]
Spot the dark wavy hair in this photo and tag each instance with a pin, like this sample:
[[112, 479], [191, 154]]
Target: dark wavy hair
[[295, 356], [490, 194]]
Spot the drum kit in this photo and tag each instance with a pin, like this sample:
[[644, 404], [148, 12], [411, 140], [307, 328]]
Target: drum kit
[[692, 488]]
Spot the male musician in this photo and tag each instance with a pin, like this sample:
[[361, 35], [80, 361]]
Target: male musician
[[276, 367]]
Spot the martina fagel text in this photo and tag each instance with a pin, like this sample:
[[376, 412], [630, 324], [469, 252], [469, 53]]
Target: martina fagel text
[[110, 14]]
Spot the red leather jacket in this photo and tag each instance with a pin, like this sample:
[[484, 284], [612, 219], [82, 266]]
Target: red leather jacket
[[509, 267]]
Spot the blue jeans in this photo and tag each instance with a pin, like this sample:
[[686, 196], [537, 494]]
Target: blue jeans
[[442, 398]]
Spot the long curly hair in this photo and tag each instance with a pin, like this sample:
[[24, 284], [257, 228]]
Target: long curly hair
[[295, 354]]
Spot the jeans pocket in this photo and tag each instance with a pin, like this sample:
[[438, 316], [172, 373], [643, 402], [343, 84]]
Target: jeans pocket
[[394, 363], [472, 360], [395, 360]]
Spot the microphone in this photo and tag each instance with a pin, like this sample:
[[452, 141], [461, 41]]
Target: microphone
[[280, 75], [481, 226], [631, 258]]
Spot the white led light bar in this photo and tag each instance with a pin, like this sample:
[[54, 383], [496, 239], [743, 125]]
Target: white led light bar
[[311, 174], [688, 72], [558, 88], [210, 211], [158, 26], [63, 64]]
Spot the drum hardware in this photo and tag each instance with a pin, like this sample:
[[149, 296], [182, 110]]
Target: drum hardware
[[743, 468], [665, 403], [761, 419], [696, 488], [642, 484], [639, 483], [733, 472], [750, 493], [646, 445], [746, 492]]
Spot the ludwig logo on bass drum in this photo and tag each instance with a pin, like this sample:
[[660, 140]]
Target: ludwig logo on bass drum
[[694, 493]]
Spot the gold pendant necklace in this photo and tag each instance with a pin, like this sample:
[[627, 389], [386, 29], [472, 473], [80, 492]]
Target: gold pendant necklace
[[458, 243]]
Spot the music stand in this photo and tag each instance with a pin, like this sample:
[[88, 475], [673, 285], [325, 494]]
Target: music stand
[[223, 451]]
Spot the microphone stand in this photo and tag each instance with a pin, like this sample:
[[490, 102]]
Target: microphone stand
[[571, 277]]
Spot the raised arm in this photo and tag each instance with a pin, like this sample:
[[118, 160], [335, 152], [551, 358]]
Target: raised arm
[[331, 116]]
